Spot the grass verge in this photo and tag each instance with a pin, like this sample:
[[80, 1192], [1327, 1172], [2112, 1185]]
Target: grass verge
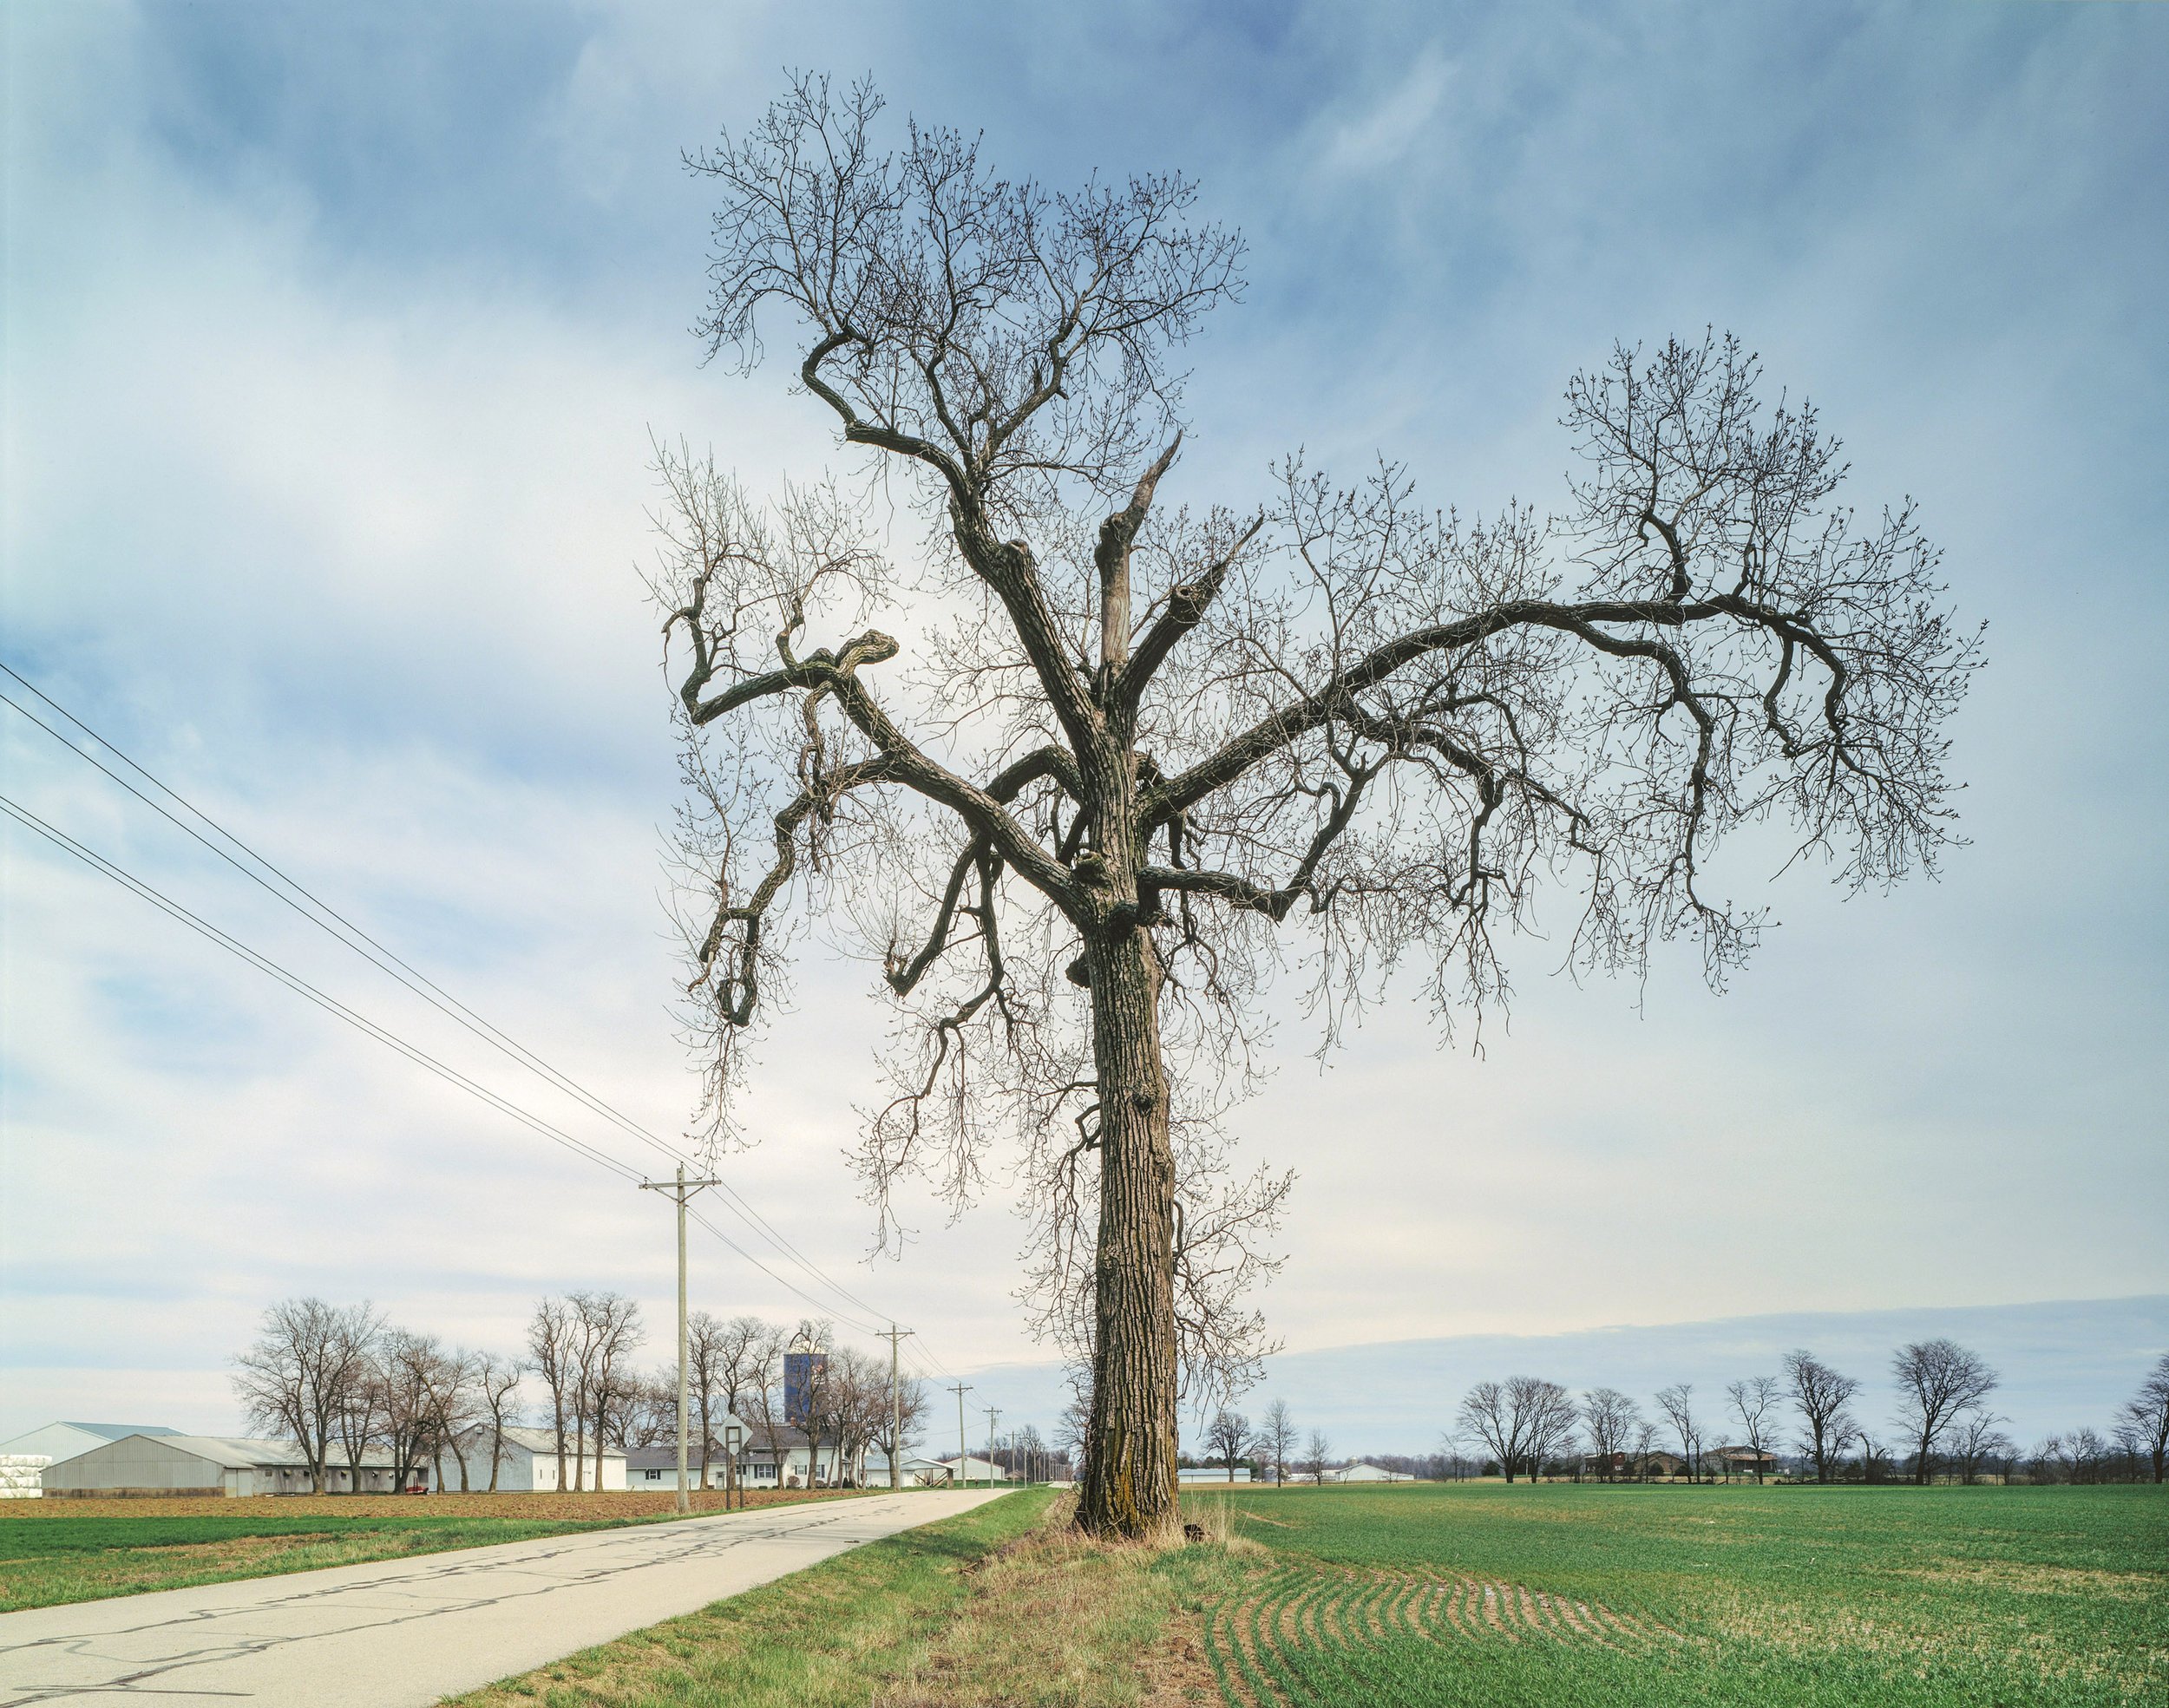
[[57, 1552], [1002, 1605]]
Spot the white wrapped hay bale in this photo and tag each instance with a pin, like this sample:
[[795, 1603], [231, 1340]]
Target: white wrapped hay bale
[[22, 1476]]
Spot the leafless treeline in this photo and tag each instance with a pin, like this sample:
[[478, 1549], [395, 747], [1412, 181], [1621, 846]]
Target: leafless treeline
[[344, 1384], [1941, 1425]]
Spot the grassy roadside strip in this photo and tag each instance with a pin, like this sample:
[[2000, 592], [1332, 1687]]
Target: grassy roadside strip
[[51, 1558], [997, 1605]]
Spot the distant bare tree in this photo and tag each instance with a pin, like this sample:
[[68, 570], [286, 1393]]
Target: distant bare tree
[[1645, 1446], [1229, 1437], [1821, 1396], [307, 1360], [1070, 1431], [1752, 1400], [497, 1396], [1552, 1422], [1977, 1439], [1276, 1437], [2145, 1415], [610, 1331], [409, 1379], [1523, 1420], [1317, 1457], [1939, 1382], [1139, 742], [553, 1355], [449, 1379], [1609, 1416], [1677, 1404]]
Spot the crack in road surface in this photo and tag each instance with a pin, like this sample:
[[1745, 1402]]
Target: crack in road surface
[[415, 1630]]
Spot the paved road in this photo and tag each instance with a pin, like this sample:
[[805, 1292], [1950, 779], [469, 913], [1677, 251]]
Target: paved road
[[410, 1632]]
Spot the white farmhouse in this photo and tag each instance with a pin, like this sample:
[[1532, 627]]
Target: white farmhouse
[[528, 1463]]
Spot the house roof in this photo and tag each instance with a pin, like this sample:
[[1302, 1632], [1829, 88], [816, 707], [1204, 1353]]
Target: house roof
[[541, 1442], [235, 1452], [64, 1438]]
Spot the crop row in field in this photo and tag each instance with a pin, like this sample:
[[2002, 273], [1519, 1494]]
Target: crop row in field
[[1451, 1596]]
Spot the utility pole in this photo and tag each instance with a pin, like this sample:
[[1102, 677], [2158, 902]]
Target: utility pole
[[682, 1189], [963, 1448], [993, 1412], [895, 1410]]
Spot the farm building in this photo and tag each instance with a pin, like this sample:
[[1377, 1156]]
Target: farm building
[[178, 1465], [1189, 1474], [1363, 1472], [974, 1471], [919, 1472], [64, 1441], [528, 1461]]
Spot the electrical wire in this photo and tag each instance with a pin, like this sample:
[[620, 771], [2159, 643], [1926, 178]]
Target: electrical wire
[[361, 1023], [337, 925]]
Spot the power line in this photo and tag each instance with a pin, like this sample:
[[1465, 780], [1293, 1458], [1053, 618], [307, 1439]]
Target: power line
[[361, 1023], [302, 987], [329, 920]]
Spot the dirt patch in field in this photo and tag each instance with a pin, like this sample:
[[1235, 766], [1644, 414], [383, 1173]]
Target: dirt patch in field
[[550, 1509], [2024, 1578]]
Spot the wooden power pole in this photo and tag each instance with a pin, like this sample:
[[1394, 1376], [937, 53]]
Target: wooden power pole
[[681, 1189], [895, 1410]]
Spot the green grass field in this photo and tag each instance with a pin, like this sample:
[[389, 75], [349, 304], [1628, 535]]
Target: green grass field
[[1558, 1594], [50, 1553]]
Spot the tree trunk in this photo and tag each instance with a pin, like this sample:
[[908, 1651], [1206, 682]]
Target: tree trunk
[[1130, 1482]]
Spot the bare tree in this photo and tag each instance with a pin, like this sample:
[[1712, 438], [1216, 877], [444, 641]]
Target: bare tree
[[302, 1373], [553, 1353], [1610, 1417], [1977, 1439], [1752, 1400], [610, 1331], [407, 1380], [2145, 1415], [1523, 1420], [1677, 1404], [1277, 1437], [1317, 1457], [1141, 742], [1821, 1396], [360, 1423], [1939, 1381], [449, 1381], [1645, 1446], [497, 1398], [1552, 1421], [1228, 1438]]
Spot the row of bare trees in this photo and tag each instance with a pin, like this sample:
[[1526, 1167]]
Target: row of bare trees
[[341, 1383], [1942, 1423], [1274, 1447], [344, 1383]]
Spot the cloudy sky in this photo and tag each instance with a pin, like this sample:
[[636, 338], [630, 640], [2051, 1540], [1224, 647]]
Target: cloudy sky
[[334, 338]]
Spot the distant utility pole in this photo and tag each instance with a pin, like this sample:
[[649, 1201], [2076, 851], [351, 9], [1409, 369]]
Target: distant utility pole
[[681, 1190], [992, 1414], [895, 1410], [963, 1448]]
